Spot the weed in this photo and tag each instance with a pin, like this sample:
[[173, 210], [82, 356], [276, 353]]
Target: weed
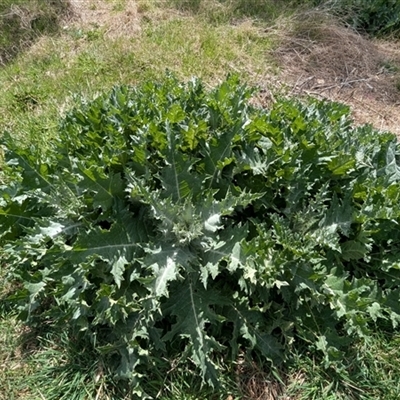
[[44, 67]]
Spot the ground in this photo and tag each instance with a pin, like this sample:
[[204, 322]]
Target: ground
[[117, 19], [105, 42], [316, 57], [324, 59]]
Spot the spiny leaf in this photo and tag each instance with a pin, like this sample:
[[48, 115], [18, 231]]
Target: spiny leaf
[[170, 219], [178, 178], [392, 168], [102, 188], [165, 263], [217, 154], [192, 307], [353, 250]]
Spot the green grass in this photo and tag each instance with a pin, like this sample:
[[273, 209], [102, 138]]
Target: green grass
[[373, 372], [40, 81], [48, 365], [65, 369], [13, 366]]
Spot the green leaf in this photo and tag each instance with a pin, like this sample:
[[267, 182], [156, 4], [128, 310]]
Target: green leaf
[[342, 165], [167, 219], [217, 154], [353, 250], [102, 188], [192, 307], [177, 177], [375, 311], [165, 263], [118, 269], [35, 288], [392, 168]]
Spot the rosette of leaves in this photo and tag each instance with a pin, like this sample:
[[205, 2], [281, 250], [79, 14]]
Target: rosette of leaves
[[172, 222]]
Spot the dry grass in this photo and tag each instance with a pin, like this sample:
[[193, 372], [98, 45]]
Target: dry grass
[[321, 58], [116, 18], [257, 384], [22, 22]]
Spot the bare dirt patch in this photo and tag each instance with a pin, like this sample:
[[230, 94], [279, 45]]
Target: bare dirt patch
[[321, 58], [116, 18]]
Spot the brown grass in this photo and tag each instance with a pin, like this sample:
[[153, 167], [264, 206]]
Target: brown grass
[[321, 58], [116, 18], [257, 384]]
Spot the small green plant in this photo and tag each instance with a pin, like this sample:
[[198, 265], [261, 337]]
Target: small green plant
[[170, 222]]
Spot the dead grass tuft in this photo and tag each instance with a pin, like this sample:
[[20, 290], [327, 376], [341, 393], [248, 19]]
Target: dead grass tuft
[[116, 18], [256, 384], [322, 58]]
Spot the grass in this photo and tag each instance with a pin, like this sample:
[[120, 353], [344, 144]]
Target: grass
[[65, 369], [23, 21], [49, 365], [372, 373], [41, 78], [13, 368], [41, 82], [218, 12]]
